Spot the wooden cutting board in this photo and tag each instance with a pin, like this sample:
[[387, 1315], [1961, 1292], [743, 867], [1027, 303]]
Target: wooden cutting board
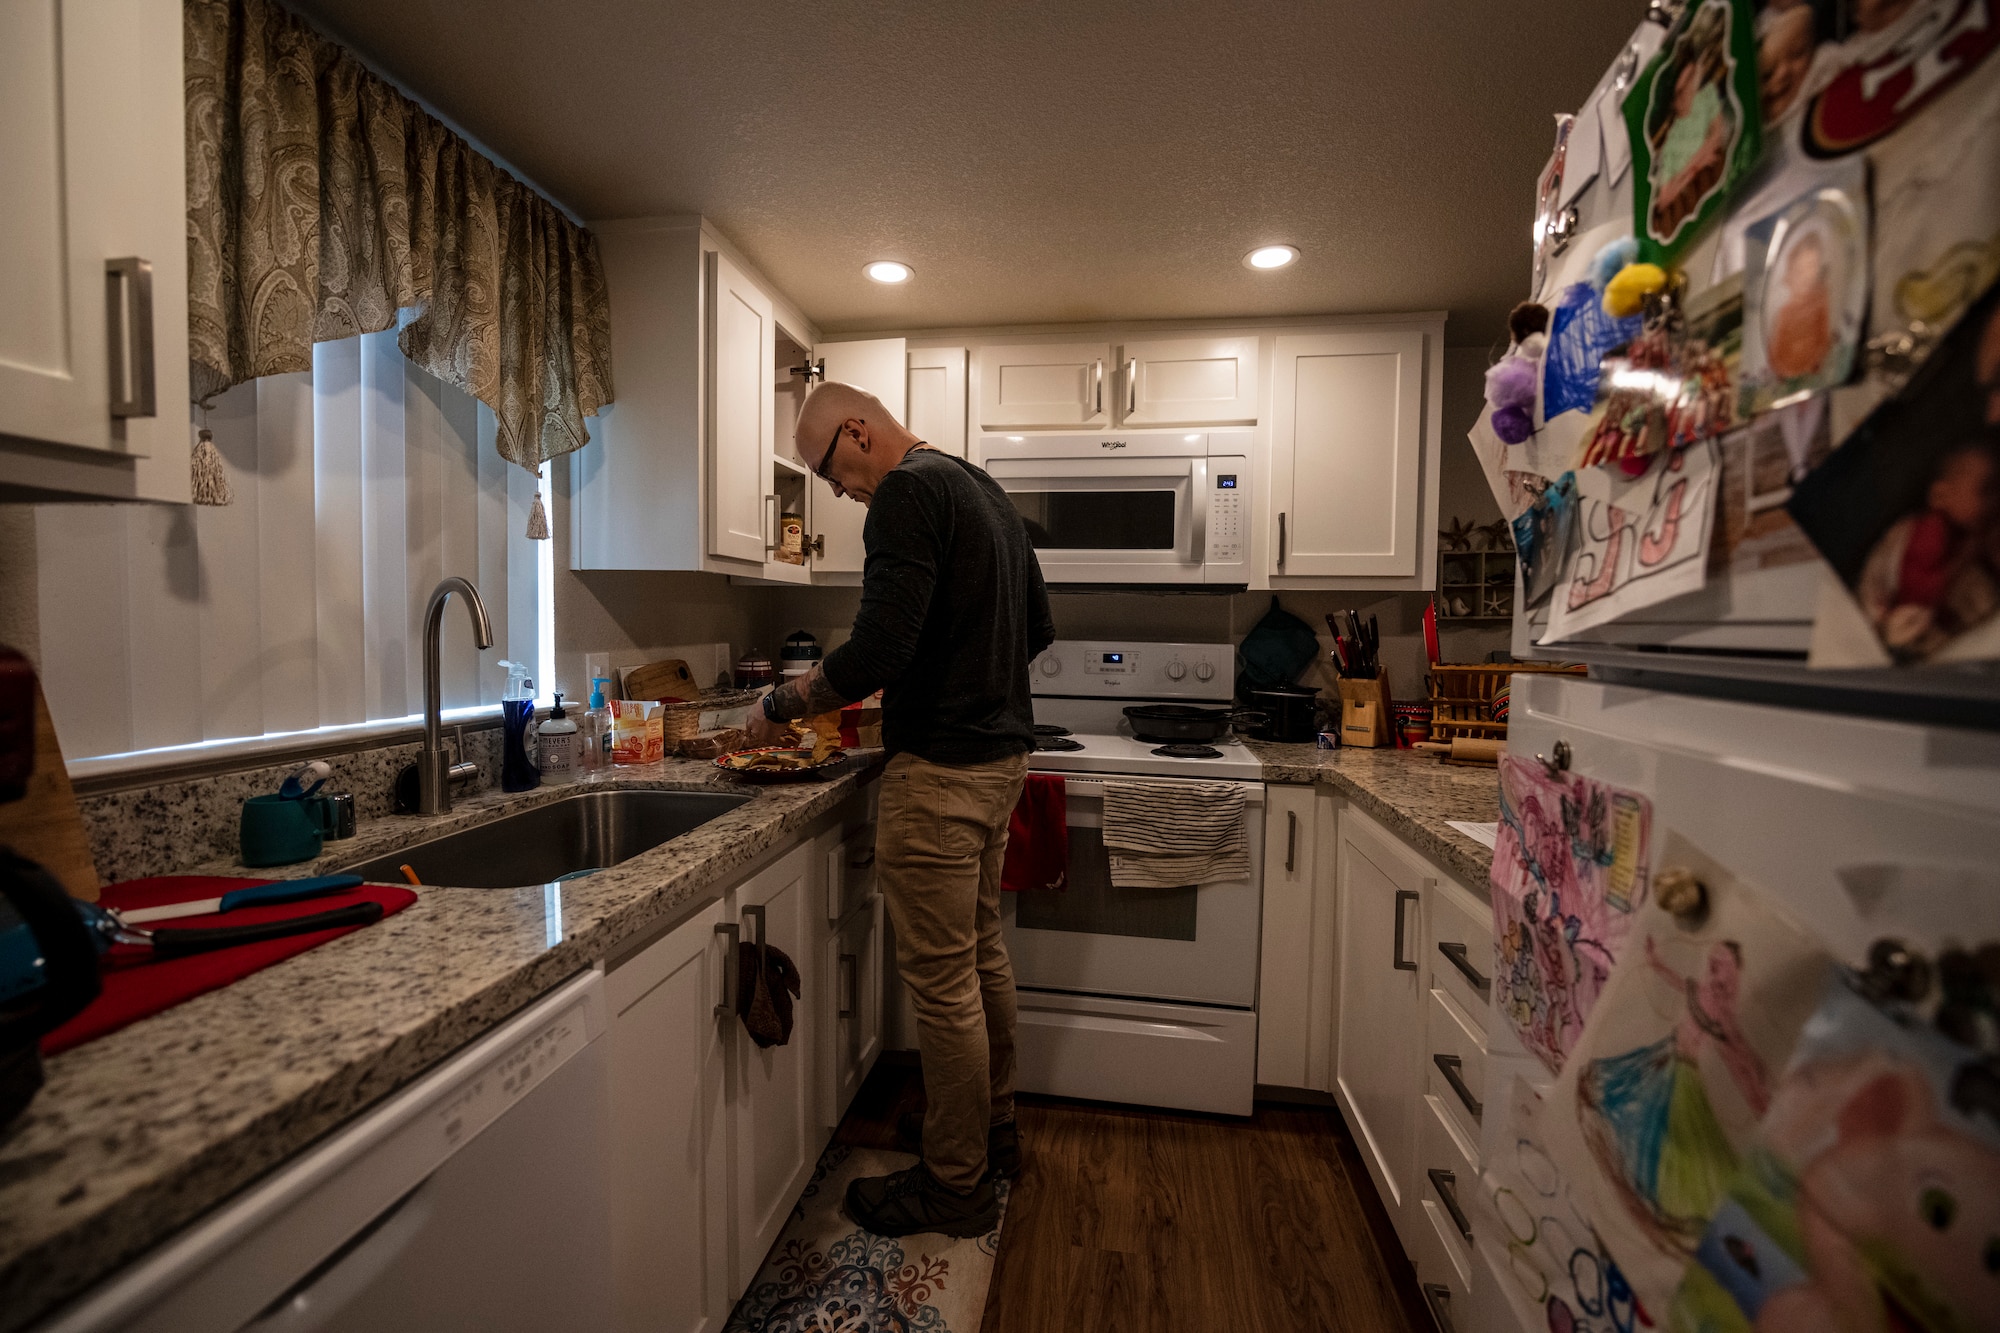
[[45, 825], [663, 680]]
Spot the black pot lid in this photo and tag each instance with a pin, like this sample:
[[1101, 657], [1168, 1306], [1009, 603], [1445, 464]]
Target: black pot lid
[[1174, 713]]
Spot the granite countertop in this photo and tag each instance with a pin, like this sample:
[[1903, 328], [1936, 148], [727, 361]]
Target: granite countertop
[[1411, 794], [138, 1133]]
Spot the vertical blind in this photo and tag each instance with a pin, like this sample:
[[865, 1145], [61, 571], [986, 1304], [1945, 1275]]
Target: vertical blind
[[358, 486]]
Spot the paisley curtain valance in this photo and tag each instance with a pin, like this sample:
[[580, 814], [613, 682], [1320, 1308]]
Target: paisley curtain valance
[[323, 203]]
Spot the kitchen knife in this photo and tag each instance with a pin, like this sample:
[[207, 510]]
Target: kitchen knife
[[263, 895]]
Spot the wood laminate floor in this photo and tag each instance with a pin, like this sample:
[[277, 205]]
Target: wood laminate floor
[[1135, 1221]]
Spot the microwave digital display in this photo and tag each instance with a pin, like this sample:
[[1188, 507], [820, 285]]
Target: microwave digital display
[[1226, 482], [1114, 659]]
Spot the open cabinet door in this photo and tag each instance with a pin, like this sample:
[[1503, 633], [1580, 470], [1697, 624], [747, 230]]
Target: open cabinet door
[[877, 365]]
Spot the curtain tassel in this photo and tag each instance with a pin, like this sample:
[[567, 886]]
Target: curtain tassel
[[538, 517], [209, 479]]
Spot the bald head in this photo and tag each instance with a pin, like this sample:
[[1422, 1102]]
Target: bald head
[[867, 441]]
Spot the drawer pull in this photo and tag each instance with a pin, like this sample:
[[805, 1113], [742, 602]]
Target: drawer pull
[[1438, 1296], [1449, 1065], [732, 967], [849, 978], [1403, 896], [128, 302], [1291, 840], [1459, 959], [1446, 1185]]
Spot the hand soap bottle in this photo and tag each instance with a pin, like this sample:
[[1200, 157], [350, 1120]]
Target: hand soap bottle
[[555, 747], [594, 741], [517, 719]]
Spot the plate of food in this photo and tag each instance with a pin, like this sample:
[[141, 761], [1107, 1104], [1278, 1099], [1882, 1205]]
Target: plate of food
[[817, 756]]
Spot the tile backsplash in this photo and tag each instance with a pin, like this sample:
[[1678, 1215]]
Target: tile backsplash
[[166, 827]]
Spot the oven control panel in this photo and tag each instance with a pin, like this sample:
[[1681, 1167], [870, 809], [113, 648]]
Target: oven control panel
[[1096, 668]]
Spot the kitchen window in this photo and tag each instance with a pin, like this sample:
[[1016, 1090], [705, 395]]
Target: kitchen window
[[358, 485]]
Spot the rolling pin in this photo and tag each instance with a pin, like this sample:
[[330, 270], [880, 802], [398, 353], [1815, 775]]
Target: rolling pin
[[1465, 750]]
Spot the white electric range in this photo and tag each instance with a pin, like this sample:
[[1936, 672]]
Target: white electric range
[[1146, 996]]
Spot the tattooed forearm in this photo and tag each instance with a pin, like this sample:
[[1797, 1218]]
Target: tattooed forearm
[[805, 696]]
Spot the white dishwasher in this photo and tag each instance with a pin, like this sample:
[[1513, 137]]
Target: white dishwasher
[[475, 1199]]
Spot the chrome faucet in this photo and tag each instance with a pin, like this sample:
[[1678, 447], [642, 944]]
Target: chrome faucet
[[435, 771]]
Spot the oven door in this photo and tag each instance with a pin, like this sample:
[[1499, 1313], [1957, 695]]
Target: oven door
[[1197, 943], [1111, 520]]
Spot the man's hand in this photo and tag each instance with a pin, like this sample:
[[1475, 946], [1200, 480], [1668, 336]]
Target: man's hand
[[763, 731]]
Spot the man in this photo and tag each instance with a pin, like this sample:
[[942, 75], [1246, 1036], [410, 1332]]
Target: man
[[952, 611]]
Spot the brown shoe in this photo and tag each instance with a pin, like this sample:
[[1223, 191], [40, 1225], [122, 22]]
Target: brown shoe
[[910, 1201]]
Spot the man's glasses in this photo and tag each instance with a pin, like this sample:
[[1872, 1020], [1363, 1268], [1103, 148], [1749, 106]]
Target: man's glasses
[[826, 458]]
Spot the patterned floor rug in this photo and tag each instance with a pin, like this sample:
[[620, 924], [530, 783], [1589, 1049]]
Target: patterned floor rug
[[827, 1275]]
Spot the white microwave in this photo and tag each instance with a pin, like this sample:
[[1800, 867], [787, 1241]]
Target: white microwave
[[1131, 507]]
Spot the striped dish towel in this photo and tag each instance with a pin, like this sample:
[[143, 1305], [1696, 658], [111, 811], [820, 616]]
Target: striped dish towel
[[1165, 837]]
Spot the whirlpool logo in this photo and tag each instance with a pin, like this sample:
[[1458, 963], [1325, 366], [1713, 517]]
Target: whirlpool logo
[[1111, 444]]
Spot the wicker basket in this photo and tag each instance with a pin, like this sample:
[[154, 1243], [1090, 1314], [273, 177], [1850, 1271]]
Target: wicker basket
[[1462, 696], [681, 719]]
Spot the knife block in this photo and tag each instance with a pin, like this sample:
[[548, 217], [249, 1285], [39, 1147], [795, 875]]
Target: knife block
[[1364, 713]]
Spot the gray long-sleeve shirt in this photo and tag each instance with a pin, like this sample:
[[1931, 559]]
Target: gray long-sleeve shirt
[[953, 609]]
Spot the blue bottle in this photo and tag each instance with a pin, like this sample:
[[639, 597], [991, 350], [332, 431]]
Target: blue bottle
[[517, 720]]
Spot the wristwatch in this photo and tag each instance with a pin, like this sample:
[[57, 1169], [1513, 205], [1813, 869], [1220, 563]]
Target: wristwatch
[[770, 700]]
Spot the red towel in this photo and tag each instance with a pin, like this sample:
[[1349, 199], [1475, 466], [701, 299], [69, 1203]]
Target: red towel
[[1038, 837], [136, 989]]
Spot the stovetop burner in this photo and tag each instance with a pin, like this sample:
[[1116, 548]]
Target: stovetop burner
[[1050, 729], [1059, 742], [1187, 751]]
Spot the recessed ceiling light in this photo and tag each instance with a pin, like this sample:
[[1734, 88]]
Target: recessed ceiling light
[[1271, 256], [888, 270]]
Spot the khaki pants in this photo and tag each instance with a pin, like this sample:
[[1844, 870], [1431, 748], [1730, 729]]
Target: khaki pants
[[941, 838]]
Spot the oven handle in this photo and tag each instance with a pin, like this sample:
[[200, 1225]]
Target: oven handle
[[1198, 512], [1093, 788]]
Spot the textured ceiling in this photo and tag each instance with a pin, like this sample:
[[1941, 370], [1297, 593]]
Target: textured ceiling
[[1036, 162]]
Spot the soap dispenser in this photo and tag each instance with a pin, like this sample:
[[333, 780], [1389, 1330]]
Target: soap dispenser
[[555, 747], [594, 742], [517, 719]]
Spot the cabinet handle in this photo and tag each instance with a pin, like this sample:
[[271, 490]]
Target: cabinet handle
[[1099, 373], [1460, 960], [755, 916], [1438, 1296], [849, 975], [1446, 1185], [1131, 386], [1281, 539], [770, 518], [1402, 896], [1449, 1065], [1291, 840], [732, 967], [816, 548], [128, 324]]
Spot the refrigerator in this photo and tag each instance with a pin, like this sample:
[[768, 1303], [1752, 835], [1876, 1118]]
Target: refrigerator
[[1841, 830]]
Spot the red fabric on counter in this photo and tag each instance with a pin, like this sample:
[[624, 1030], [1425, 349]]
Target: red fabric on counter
[[1038, 837], [135, 988]]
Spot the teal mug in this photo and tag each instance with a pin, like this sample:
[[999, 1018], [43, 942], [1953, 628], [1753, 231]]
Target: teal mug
[[278, 832]]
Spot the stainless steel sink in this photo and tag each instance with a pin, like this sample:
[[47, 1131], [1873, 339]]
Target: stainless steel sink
[[577, 834]]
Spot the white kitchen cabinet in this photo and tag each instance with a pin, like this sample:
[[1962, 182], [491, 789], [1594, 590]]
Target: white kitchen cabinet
[[93, 252], [877, 365], [1378, 1079], [685, 470], [773, 1107], [1188, 382], [670, 1208], [1292, 899], [1043, 385], [1350, 444], [936, 377]]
